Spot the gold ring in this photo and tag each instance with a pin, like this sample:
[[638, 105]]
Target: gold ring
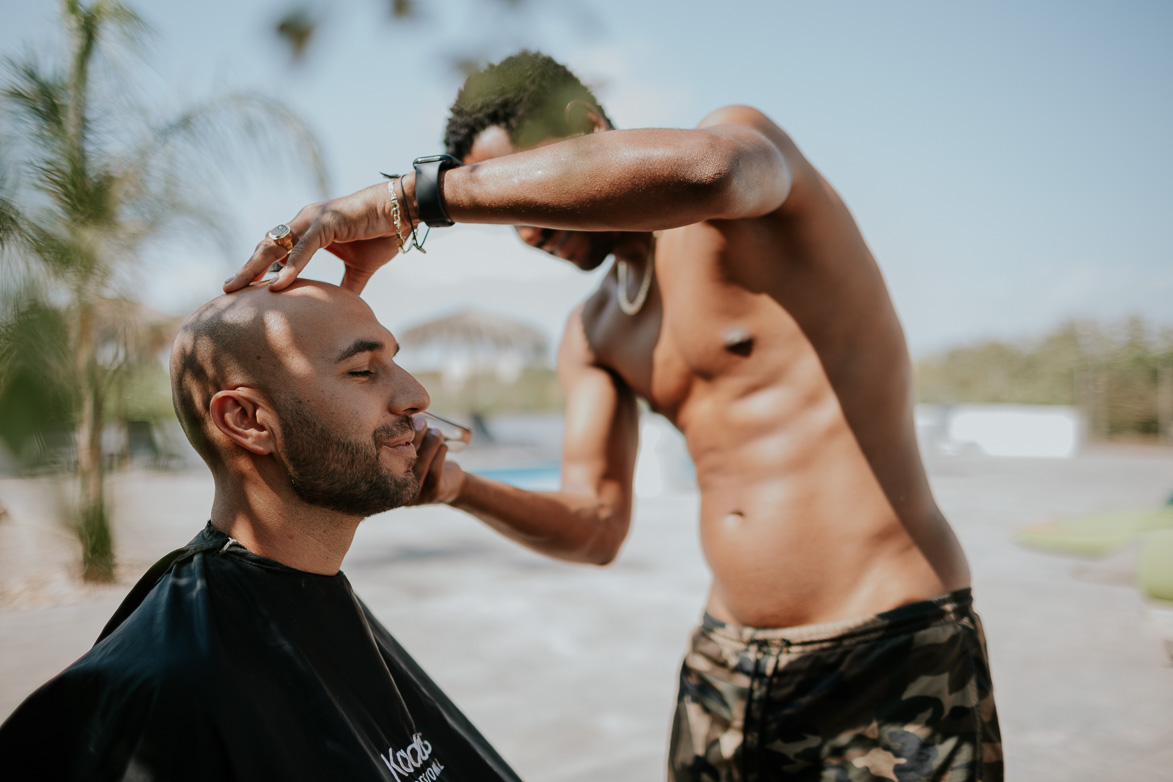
[[283, 236]]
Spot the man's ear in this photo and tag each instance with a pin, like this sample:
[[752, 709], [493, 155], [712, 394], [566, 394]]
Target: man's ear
[[239, 415], [585, 116]]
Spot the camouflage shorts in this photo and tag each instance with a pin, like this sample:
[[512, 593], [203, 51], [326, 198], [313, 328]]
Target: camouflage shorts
[[904, 695]]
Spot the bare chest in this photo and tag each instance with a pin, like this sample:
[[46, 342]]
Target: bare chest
[[698, 334]]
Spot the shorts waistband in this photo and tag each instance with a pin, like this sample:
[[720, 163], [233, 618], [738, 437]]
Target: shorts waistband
[[906, 618]]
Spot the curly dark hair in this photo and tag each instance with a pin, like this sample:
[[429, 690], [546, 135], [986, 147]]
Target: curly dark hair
[[526, 94]]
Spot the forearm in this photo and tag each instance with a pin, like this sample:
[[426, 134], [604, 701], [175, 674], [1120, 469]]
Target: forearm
[[622, 180], [560, 524]]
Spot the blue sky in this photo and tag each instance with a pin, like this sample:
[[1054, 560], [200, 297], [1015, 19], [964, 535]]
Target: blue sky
[[1009, 163]]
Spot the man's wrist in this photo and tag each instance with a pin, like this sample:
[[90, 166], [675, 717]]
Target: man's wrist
[[407, 185], [428, 191], [465, 496]]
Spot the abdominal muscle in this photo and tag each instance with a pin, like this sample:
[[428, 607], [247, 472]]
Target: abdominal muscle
[[806, 534]]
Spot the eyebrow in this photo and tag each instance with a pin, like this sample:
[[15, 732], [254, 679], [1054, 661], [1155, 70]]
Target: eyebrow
[[362, 346]]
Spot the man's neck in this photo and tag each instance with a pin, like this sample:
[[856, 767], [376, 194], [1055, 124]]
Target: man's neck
[[283, 529], [635, 249]]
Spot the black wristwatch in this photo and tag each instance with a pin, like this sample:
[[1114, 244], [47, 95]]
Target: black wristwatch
[[429, 201]]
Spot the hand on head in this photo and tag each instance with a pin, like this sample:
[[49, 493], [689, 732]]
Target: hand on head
[[358, 229]]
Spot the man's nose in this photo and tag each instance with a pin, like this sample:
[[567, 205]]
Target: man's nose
[[408, 396]]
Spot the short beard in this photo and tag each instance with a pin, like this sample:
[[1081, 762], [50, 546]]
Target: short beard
[[342, 475]]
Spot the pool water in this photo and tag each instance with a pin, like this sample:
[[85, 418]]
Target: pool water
[[538, 477]]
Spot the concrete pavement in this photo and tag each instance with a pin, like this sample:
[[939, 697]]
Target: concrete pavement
[[571, 671]]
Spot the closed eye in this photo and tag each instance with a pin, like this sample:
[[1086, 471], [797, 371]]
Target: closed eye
[[362, 373]]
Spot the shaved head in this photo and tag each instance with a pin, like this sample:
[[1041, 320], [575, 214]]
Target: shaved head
[[246, 338], [297, 395]]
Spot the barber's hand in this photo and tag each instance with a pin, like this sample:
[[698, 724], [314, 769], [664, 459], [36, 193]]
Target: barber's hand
[[357, 228], [440, 480]]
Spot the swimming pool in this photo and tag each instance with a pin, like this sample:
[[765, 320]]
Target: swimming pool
[[535, 477]]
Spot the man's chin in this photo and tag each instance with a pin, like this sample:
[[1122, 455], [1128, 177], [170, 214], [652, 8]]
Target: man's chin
[[588, 264], [601, 248], [590, 255]]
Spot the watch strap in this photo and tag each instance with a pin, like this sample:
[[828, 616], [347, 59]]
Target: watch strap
[[428, 198]]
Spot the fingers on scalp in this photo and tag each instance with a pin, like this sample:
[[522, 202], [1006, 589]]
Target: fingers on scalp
[[242, 276], [295, 260], [283, 278]]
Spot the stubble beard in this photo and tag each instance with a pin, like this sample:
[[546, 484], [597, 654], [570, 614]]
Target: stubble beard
[[332, 472]]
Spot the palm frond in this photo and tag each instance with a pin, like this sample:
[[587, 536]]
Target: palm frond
[[63, 255], [93, 24], [80, 197], [10, 223], [232, 130], [38, 98], [11, 219], [113, 17]]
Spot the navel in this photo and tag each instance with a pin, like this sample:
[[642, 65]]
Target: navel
[[739, 341], [734, 519]]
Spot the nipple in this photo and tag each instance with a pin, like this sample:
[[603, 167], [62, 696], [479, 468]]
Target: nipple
[[739, 341]]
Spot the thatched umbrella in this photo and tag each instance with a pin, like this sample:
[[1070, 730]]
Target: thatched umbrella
[[472, 342], [468, 345]]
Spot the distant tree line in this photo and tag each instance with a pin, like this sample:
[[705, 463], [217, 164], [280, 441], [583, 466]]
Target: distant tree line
[[1120, 375]]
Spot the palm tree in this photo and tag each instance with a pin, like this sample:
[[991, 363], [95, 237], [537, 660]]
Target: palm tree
[[85, 186]]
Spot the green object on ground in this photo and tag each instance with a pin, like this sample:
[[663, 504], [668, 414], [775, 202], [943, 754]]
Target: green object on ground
[[1155, 572], [1098, 534]]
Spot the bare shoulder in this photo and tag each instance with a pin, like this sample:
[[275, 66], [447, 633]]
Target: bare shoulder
[[738, 115], [749, 117], [738, 119]]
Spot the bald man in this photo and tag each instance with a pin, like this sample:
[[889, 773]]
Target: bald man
[[245, 654]]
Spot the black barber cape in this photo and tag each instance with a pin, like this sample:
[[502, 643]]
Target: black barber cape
[[223, 665]]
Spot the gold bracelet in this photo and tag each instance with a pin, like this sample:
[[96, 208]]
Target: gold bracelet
[[404, 247], [396, 215]]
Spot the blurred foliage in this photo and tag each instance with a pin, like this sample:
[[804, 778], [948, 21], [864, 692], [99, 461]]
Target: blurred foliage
[[143, 393], [1120, 375], [35, 382], [296, 28], [1155, 571], [301, 22], [88, 181], [1096, 535]]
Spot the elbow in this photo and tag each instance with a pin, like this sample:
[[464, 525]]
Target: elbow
[[718, 181], [733, 182], [605, 545], [712, 177], [604, 556]]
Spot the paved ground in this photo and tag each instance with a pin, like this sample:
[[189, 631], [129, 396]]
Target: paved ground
[[570, 671]]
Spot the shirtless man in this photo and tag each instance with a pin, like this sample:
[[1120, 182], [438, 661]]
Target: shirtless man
[[744, 306]]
